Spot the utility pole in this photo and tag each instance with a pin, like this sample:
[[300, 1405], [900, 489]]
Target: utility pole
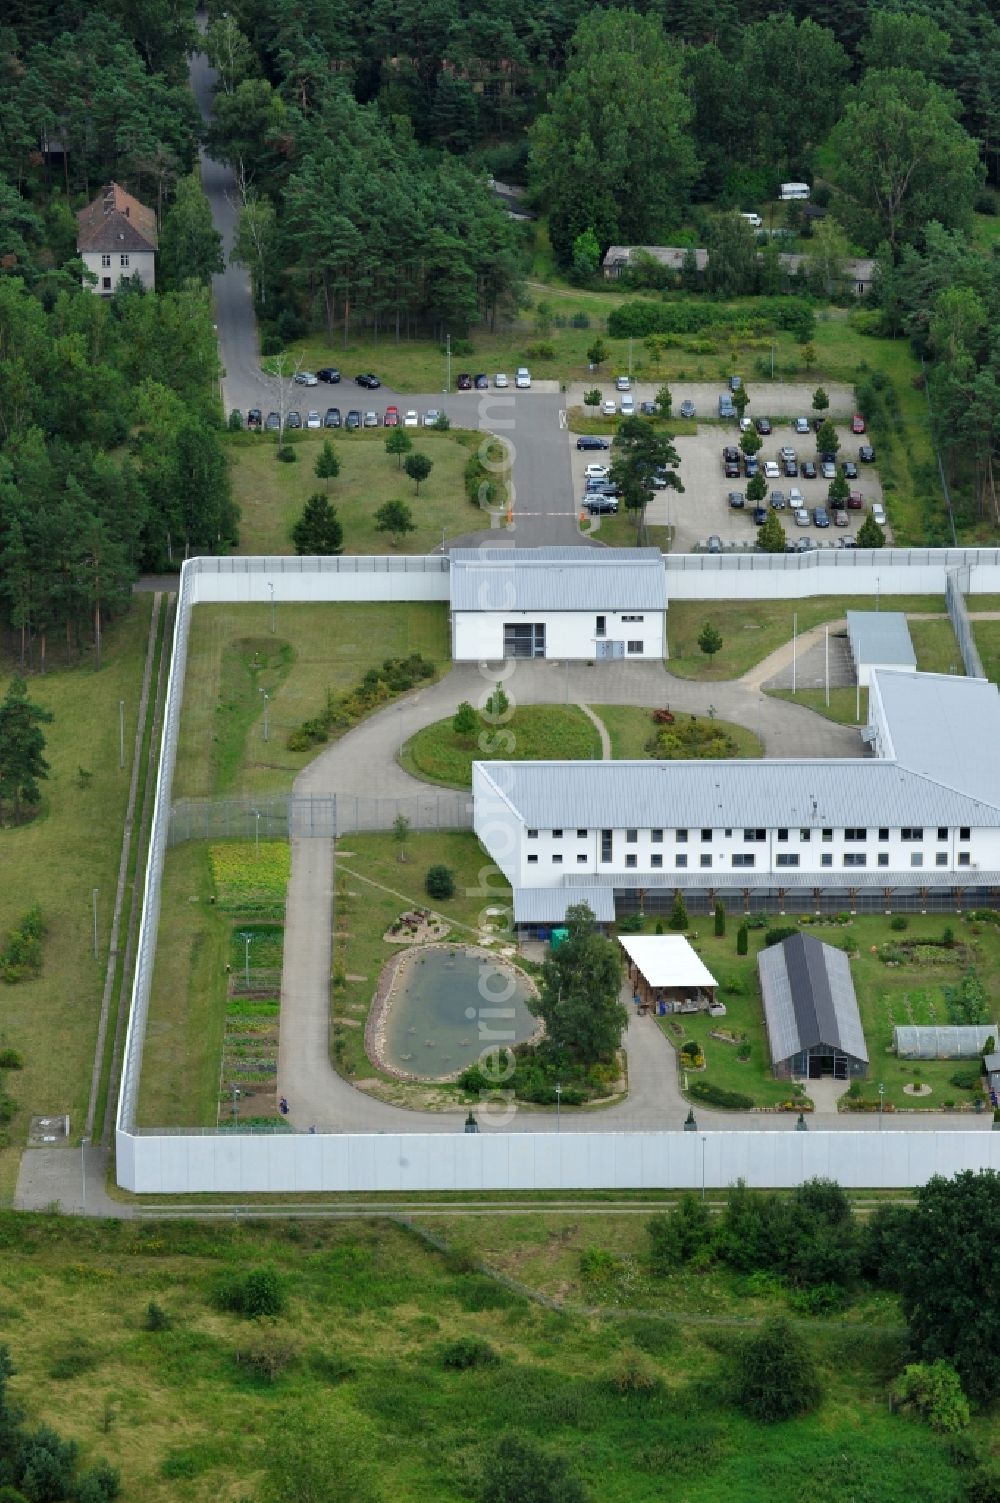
[[121, 733], [827, 645], [795, 633], [267, 701], [447, 346]]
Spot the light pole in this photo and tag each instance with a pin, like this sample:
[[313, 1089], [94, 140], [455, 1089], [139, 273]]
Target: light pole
[[256, 834], [267, 701], [703, 1142], [881, 1097], [247, 939], [121, 733], [270, 586], [236, 1098], [93, 904], [795, 645], [447, 350], [558, 1095]]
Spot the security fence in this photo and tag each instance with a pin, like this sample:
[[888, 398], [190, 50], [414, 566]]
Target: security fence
[[252, 818], [956, 583]]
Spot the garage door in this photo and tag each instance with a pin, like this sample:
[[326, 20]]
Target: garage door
[[524, 639]]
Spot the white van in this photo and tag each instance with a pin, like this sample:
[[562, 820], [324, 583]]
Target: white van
[[794, 190], [523, 378], [753, 220]]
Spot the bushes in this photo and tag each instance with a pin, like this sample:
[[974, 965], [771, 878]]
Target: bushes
[[376, 687], [440, 882], [713, 1095], [934, 1391], [644, 317], [259, 1292], [966, 1080], [266, 1355], [679, 1237], [774, 1376], [783, 931], [285, 454], [468, 1352], [10, 1060], [21, 956]]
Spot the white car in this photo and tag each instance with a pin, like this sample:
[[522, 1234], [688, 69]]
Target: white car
[[795, 498], [410, 419], [500, 381], [745, 424], [802, 425], [628, 407], [828, 470], [802, 517], [788, 452], [878, 513], [305, 378], [622, 383], [313, 420], [771, 471], [523, 378], [608, 409], [430, 417], [371, 419], [596, 472], [753, 220]]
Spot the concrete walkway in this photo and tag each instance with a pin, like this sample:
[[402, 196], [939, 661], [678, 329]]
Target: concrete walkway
[[601, 729]]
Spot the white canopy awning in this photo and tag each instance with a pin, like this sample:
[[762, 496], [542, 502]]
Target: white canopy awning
[[667, 960]]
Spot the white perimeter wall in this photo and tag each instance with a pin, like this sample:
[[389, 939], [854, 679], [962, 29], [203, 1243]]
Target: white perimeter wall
[[477, 636], [252, 580], [847, 571], [180, 1165]]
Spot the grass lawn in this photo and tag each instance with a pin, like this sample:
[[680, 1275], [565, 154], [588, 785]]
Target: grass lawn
[[271, 495], [232, 657], [373, 888], [362, 1391], [591, 420], [935, 645], [630, 728], [987, 635], [751, 629], [617, 530], [539, 732], [55, 861], [843, 706]]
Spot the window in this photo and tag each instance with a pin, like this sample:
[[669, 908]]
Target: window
[[656, 862], [755, 835], [532, 834], [557, 834], [942, 832], [681, 861], [557, 861], [827, 834], [681, 835], [786, 860], [656, 836], [633, 618], [532, 860], [106, 284], [581, 860], [883, 834], [634, 647], [524, 639], [916, 858], [728, 834], [941, 858], [805, 836], [581, 834], [853, 833], [706, 861], [744, 859], [964, 832], [631, 862], [606, 845], [883, 858], [601, 626], [124, 258], [826, 859], [706, 834], [964, 858], [105, 260], [911, 832], [631, 836], [855, 858], [782, 835]]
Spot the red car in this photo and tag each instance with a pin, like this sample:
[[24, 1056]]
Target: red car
[[856, 501], [857, 423], [392, 417]]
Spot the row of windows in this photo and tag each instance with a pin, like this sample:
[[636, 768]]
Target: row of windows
[[106, 260], [758, 836], [746, 859]]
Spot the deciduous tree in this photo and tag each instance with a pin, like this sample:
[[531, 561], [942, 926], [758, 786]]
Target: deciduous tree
[[580, 1000]]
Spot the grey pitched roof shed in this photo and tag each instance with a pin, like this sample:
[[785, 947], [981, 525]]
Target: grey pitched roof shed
[[881, 637], [809, 999], [558, 579]]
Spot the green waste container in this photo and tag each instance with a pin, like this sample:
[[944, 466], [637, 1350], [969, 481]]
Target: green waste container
[[558, 935]]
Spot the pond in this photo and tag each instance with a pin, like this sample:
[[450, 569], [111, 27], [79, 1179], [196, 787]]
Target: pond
[[448, 1004]]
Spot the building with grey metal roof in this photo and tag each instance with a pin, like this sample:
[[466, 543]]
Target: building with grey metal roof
[[879, 639], [561, 603], [811, 1011]]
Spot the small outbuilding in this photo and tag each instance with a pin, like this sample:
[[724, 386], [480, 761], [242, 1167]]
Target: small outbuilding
[[811, 1011], [879, 639], [667, 974], [949, 1041]]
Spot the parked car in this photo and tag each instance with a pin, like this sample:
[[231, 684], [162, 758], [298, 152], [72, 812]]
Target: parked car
[[313, 419], [771, 471], [599, 505], [305, 378], [837, 505], [856, 501], [805, 545], [802, 425], [602, 488], [714, 543], [847, 542], [807, 470], [745, 425], [759, 516], [608, 408], [329, 374], [391, 419], [255, 418], [628, 406], [353, 419], [850, 470], [332, 418], [821, 517], [686, 409], [371, 419], [273, 423], [735, 382], [500, 381], [857, 423], [795, 498], [763, 426], [410, 419], [828, 470], [591, 441], [802, 517], [480, 381], [464, 382], [841, 519], [791, 469], [786, 452], [523, 378], [431, 417], [778, 500], [732, 469], [827, 456], [596, 472], [648, 409], [730, 454], [750, 466], [866, 454], [293, 420], [622, 383], [370, 382], [737, 500], [878, 513], [726, 408]]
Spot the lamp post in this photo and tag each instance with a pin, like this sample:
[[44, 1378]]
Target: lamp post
[[447, 351], [881, 1097], [267, 704], [247, 939], [121, 734], [256, 834], [558, 1096]]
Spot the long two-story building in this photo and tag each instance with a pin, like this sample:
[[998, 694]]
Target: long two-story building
[[913, 826]]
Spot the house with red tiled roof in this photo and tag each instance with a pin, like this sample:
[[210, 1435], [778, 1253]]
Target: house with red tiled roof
[[116, 237]]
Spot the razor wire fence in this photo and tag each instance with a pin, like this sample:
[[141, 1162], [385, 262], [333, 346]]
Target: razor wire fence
[[317, 816], [955, 585]]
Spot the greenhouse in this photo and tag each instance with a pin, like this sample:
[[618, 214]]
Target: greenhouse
[[964, 1041]]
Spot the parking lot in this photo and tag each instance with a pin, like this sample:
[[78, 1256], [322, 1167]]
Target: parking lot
[[783, 399], [703, 509]]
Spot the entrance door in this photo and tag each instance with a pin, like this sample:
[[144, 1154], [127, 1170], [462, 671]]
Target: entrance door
[[524, 639], [608, 649]]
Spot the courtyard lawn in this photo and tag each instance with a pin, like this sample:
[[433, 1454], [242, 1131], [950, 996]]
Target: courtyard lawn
[[987, 636], [233, 656], [56, 861], [752, 629], [935, 645], [843, 706], [271, 494], [540, 733], [617, 530], [630, 728]]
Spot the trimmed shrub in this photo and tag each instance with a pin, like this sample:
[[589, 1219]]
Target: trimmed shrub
[[286, 454], [439, 882], [468, 1352], [713, 1095], [258, 1292], [783, 931], [742, 940], [966, 1080]]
